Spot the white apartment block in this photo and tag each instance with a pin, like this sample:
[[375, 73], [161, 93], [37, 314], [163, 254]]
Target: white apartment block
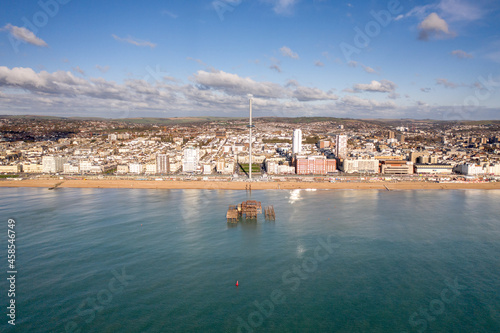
[[52, 164], [470, 169], [190, 159], [135, 168], [70, 169], [341, 146], [32, 168], [207, 169], [150, 168], [11, 168], [85, 166], [162, 163], [122, 169], [360, 165]]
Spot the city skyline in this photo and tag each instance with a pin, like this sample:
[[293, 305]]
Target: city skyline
[[392, 59]]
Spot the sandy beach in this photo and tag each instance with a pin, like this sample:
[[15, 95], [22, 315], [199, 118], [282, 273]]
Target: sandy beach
[[225, 185]]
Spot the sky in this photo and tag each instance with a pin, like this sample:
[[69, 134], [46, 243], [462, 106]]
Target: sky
[[178, 58]]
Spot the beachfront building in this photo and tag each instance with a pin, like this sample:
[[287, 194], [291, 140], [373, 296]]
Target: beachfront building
[[136, 168], [10, 168], [315, 165], [162, 164], [493, 169], [472, 169], [360, 165], [190, 159], [279, 167], [469, 169], [225, 166], [396, 167], [70, 168], [297, 141], [206, 169], [122, 169], [150, 168], [32, 168], [85, 166], [433, 169], [52, 164], [341, 146]]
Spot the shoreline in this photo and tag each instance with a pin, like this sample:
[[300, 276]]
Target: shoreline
[[221, 185]]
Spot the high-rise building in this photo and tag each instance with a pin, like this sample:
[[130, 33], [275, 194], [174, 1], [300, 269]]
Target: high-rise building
[[297, 141], [341, 146], [190, 159], [53, 164], [162, 163]]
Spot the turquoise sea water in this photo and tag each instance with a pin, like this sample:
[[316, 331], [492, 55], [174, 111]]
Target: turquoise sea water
[[123, 260]]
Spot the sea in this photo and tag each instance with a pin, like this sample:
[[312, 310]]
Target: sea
[[159, 260]]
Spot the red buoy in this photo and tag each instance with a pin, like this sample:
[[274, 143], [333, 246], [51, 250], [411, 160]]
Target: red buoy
[[237, 284]]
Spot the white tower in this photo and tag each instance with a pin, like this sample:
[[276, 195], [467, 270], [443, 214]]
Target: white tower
[[341, 146], [250, 126], [297, 141]]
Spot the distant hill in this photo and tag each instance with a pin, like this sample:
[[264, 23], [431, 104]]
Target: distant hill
[[289, 120]]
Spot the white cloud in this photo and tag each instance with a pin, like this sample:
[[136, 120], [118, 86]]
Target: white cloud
[[451, 10], [376, 86], [419, 12], [447, 84], [433, 26], [24, 91], [283, 7], [319, 63], [216, 90], [461, 54], [305, 94], [368, 69], [24, 35], [393, 95], [275, 67], [198, 61], [102, 69], [78, 70], [170, 14], [233, 84], [287, 52], [133, 41], [352, 63], [460, 10], [370, 103]]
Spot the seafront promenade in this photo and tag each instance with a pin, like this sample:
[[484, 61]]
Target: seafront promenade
[[244, 185]]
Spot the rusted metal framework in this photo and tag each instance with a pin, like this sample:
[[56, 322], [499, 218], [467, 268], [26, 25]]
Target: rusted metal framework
[[232, 214], [269, 213], [250, 209]]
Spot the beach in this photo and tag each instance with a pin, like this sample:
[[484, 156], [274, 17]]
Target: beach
[[241, 185]]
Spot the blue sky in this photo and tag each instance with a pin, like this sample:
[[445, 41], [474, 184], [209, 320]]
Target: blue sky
[[358, 59]]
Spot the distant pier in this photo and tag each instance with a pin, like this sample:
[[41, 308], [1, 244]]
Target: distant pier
[[249, 210]]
